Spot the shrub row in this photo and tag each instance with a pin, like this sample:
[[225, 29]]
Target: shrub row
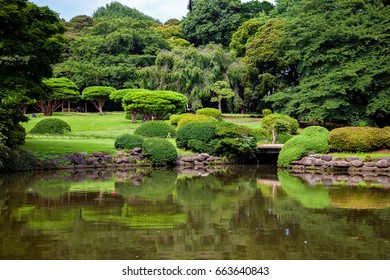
[[311, 139], [359, 139]]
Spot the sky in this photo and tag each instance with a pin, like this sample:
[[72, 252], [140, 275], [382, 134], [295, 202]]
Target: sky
[[159, 9]]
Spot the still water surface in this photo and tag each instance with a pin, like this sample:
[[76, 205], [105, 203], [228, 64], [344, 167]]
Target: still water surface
[[244, 212]]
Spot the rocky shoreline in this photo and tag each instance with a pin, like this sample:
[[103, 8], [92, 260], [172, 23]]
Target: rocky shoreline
[[124, 159], [328, 164]]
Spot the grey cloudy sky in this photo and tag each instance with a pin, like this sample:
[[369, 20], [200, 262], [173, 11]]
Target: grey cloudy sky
[[159, 9]]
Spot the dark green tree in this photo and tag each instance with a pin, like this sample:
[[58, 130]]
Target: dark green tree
[[31, 41], [341, 51], [212, 21], [98, 96]]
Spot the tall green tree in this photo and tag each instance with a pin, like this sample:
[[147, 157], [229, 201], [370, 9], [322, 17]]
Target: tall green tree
[[212, 21], [222, 91], [341, 51], [31, 41], [191, 71]]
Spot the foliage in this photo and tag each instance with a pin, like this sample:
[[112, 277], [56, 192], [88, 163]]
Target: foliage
[[51, 126], [128, 141], [340, 51], [359, 139], [155, 105], [192, 118], [111, 52], [211, 112], [231, 130], [212, 21], [18, 160], [174, 119], [222, 91], [266, 112], [203, 132], [156, 129], [262, 134], [191, 71], [237, 149], [160, 151], [277, 123], [116, 9], [56, 91], [311, 139], [31, 42], [245, 33], [98, 96]]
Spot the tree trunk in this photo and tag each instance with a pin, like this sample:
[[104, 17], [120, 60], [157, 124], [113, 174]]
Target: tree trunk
[[68, 105], [220, 104], [134, 117], [274, 136]]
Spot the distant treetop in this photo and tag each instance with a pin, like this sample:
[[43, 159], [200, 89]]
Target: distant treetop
[[116, 9]]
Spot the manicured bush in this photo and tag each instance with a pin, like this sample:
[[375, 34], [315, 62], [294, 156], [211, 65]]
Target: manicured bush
[[128, 141], [156, 129], [311, 139], [278, 123], [210, 112], [266, 112], [159, 151], [51, 126], [201, 131], [359, 139], [231, 130], [284, 137], [193, 118], [174, 119]]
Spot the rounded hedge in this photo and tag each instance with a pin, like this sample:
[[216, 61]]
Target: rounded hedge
[[359, 139], [281, 123], [156, 129], [311, 139], [210, 112], [128, 141], [174, 119], [193, 118], [51, 126], [159, 151], [203, 132]]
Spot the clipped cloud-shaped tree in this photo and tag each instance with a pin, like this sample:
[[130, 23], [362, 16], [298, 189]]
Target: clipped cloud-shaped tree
[[154, 105], [98, 96]]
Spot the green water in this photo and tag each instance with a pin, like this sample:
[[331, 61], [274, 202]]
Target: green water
[[243, 212]]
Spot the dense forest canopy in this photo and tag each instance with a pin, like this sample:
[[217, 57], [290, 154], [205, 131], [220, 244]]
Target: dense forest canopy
[[316, 60]]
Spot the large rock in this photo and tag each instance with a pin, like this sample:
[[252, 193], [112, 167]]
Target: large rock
[[357, 163], [327, 157], [349, 159], [383, 163]]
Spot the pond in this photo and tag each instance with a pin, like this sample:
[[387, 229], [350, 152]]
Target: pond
[[239, 213]]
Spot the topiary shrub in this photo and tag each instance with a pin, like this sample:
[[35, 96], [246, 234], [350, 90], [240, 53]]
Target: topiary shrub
[[231, 130], [359, 139], [156, 129], [210, 112], [277, 123], [51, 126], [193, 118], [311, 139], [174, 119], [128, 141], [159, 151], [266, 112], [200, 131]]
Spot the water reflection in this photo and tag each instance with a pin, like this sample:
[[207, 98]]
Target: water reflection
[[242, 212]]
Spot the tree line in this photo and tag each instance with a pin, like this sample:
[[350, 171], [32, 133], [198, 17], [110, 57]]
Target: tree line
[[315, 60]]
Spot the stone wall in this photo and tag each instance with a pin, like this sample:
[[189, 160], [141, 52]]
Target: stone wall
[[349, 165]]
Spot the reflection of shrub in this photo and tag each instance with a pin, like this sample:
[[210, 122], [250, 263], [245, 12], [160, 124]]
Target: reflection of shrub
[[359, 139], [192, 118], [155, 129], [210, 112], [201, 131], [128, 141], [51, 126], [311, 139], [160, 151]]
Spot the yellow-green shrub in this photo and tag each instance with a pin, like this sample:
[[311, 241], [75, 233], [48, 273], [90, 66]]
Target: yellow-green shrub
[[193, 118], [210, 112]]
